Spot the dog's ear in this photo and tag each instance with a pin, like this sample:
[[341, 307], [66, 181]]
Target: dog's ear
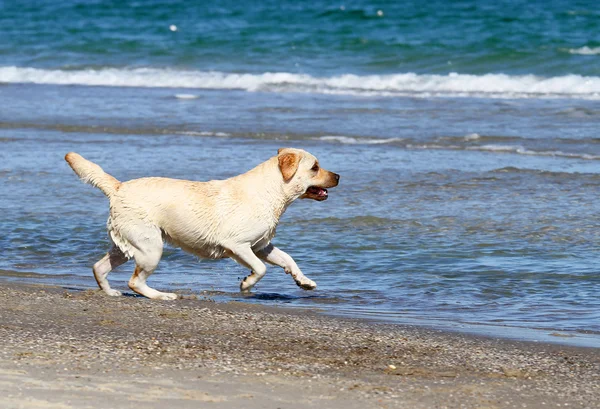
[[288, 164]]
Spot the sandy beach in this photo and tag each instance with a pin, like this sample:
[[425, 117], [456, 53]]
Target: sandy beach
[[70, 348]]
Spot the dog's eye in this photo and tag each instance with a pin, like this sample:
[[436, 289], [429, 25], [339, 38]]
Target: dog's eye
[[315, 167]]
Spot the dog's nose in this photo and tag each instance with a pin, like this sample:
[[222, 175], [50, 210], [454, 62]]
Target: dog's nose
[[337, 177]]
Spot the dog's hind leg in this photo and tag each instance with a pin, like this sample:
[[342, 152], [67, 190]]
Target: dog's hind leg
[[146, 262], [246, 257], [137, 283], [277, 257], [113, 259]]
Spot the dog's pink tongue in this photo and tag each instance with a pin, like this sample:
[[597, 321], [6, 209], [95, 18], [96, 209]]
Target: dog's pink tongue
[[318, 191]]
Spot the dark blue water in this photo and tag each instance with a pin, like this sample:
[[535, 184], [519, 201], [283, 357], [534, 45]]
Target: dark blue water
[[314, 37], [466, 135]]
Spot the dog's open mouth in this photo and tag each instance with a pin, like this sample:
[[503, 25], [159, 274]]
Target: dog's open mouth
[[316, 193]]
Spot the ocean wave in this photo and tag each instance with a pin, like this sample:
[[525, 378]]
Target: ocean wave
[[459, 144], [472, 137], [519, 150], [585, 50], [477, 138], [348, 140], [203, 133], [186, 96], [523, 151], [558, 174], [407, 84]]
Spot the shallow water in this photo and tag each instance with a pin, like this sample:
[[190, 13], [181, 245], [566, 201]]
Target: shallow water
[[466, 136], [427, 223]]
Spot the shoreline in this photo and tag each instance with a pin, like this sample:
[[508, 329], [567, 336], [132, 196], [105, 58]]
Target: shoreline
[[572, 338], [69, 348]]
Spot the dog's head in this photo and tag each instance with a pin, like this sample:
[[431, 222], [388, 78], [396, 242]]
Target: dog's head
[[301, 171]]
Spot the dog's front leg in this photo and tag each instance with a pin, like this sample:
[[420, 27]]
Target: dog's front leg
[[246, 257], [277, 257]]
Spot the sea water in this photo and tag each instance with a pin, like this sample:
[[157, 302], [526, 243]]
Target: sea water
[[465, 134]]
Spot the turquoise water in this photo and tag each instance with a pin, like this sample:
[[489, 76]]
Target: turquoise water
[[485, 48], [314, 37], [466, 135]]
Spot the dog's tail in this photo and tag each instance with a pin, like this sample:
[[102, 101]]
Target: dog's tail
[[93, 174]]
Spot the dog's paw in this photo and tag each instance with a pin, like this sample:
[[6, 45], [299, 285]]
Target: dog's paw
[[113, 293], [246, 285], [306, 284], [166, 296]]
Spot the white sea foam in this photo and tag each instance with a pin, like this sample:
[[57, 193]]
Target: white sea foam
[[497, 148], [523, 151], [348, 140], [488, 85], [204, 133], [514, 149], [186, 96], [585, 50], [472, 137]]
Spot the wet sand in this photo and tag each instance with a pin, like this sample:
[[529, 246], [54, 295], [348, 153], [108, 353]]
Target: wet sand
[[67, 348]]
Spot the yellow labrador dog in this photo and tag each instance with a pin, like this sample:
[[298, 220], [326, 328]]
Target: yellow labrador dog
[[235, 218]]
